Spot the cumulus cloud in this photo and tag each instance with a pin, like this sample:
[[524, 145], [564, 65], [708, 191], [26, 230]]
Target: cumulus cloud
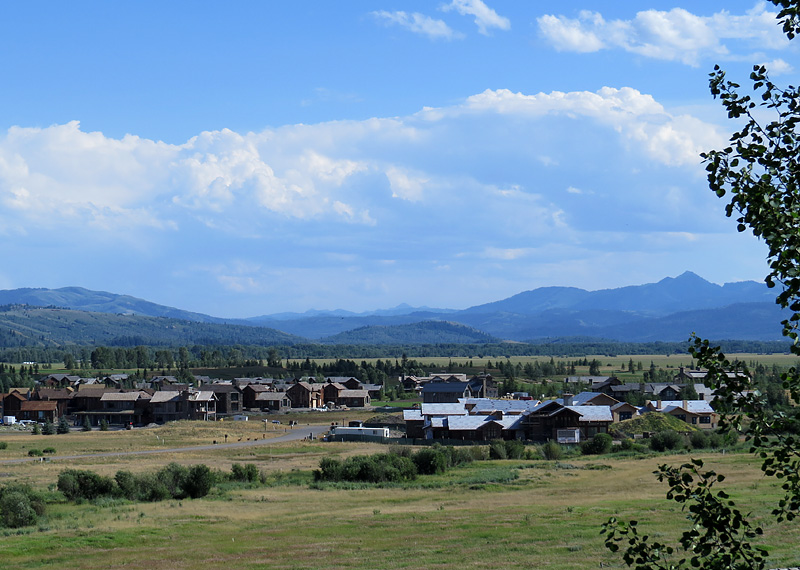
[[778, 67], [670, 139], [62, 172], [674, 35], [485, 17], [488, 172], [418, 23]]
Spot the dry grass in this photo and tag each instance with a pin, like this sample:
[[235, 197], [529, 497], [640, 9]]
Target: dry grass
[[546, 518]]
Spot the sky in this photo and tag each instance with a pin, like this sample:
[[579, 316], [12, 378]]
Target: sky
[[248, 158]]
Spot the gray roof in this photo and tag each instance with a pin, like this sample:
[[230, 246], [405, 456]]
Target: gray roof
[[448, 387], [270, 396], [122, 396], [691, 406], [165, 396], [428, 409], [488, 405], [412, 415], [593, 413]]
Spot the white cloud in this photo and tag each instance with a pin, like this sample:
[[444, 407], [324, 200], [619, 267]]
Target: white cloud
[[405, 185], [419, 24], [778, 67], [485, 17], [569, 35], [672, 140], [674, 35]]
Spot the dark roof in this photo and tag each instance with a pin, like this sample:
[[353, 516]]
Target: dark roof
[[449, 387]]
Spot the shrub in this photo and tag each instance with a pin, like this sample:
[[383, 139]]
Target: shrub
[[698, 440], [515, 449], [34, 452], [497, 449], [103, 425], [49, 450], [552, 451], [127, 484], [598, 445], [36, 430], [199, 481], [16, 509], [173, 477], [665, 440], [430, 461], [78, 484], [248, 473], [49, 428], [3, 445], [384, 467], [87, 425]]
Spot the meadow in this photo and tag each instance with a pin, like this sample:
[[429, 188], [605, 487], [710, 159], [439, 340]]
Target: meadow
[[500, 514]]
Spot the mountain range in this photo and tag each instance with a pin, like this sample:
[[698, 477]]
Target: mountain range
[[668, 310]]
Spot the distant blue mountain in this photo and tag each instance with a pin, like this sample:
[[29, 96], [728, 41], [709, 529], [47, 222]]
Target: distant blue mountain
[[668, 310]]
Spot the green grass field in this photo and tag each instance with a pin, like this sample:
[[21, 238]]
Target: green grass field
[[499, 514]]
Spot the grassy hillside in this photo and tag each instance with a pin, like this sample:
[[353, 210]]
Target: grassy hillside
[[504, 514], [22, 325]]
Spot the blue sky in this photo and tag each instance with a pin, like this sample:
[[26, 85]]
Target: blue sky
[[255, 157]]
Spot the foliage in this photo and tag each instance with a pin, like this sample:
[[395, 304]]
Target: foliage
[[506, 449], [37, 430], [172, 481], [20, 506], [598, 445], [87, 426], [666, 440], [103, 425], [48, 428], [719, 537], [430, 461], [552, 451], [3, 445], [759, 172], [199, 481], [76, 484], [63, 425], [379, 468], [246, 473]]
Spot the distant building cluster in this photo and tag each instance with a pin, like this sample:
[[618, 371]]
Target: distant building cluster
[[164, 398]]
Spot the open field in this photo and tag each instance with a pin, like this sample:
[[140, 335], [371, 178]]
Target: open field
[[499, 514]]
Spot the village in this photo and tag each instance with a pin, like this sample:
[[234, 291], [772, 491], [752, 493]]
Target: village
[[450, 407]]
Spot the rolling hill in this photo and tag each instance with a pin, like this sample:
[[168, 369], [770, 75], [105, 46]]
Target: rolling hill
[[669, 310]]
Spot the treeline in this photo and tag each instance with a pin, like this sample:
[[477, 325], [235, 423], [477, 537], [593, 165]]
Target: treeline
[[152, 355]]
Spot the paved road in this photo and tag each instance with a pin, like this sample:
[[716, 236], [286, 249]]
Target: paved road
[[295, 434]]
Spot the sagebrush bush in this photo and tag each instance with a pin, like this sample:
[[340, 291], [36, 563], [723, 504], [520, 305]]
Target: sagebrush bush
[[80, 484], [382, 467], [246, 473], [666, 440], [598, 445], [698, 440], [430, 461], [16, 510], [552, 451]]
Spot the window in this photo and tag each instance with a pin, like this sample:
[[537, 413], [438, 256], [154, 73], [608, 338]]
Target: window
[[234, 396], [694, 419], [705, 419], [625, 416]]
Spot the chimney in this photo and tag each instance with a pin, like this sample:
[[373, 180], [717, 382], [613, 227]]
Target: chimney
[[569, 399]]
